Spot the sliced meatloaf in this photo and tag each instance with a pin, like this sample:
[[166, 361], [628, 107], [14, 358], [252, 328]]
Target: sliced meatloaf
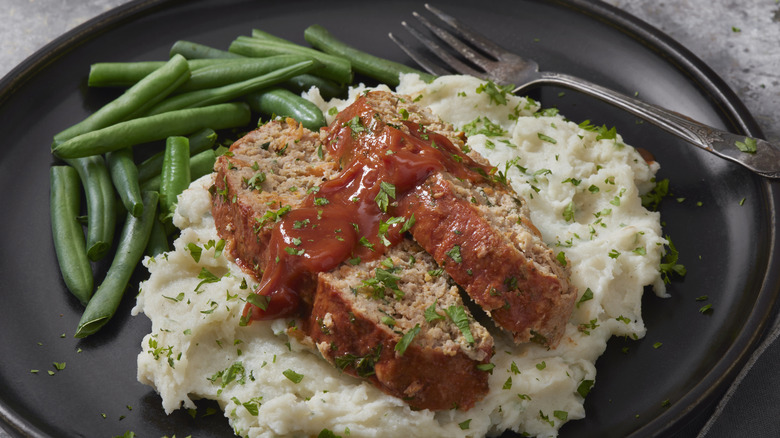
[[400, 323], [267, 173], [476, 228], [358, 314]]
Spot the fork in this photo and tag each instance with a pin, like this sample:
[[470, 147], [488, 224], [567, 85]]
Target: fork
[[505, 68]]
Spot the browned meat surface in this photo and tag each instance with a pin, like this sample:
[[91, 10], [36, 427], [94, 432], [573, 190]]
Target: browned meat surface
[[268, 172], [355, 320], [478, 229], [357, 325], [321, 221]]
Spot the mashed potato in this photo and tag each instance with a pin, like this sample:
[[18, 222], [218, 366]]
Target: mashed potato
[[583, 187]]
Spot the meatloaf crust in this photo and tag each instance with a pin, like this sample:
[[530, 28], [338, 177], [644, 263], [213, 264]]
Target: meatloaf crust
[[267, 174], [359, 331], [268, 171], [480, 231]]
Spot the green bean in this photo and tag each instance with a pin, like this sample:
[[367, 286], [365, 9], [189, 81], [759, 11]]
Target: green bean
[[199, 142], [67, 233], [158, 239], [124, 175], [298, 84], [126, 74], [284, 103], [132, 242], [383, 70], [265, 36], [175, 176], [191, 50], [120, 74], [199, 98], [328, 88], [333, 67], [141, 96], [200, 164], [101, 204], [224, 73], [151, 128]]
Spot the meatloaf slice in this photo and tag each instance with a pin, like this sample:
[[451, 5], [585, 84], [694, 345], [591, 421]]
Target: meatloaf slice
[[359, 313], [267, 173], [478, 229], [400, 323]]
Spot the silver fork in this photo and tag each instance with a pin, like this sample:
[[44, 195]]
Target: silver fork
[[506, 68]]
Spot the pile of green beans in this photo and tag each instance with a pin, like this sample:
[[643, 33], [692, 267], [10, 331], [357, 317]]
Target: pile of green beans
[[183, 103]]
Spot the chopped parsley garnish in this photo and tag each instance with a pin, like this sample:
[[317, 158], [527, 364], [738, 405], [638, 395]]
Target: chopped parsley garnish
[[195, 251], [606, 134], [273, 215], [561, 415], [749, 146], [586, 296], [496, 93], [670, 265], [431, 314], [294, 251], [623, 319], [234, 373], [293, 376], [461, 320], [465, 425], [364, 365], [546, 138], [484, 126], [586, 125], [407, 338], [386, 191], [454, 254], [408, 224], [258, 300], [652, 199], [568, 212], [488, 367], [508, 383], [205, 276], [356, 125], [255, 183], [561, 257], [365, 242], [584, 388]]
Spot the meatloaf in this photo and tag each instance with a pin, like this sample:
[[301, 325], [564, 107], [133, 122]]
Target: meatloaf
[[267, 173], [401, 324], [397, 320], [474, 226]]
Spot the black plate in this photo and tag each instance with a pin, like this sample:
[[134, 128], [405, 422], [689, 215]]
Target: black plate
[[725, 228]]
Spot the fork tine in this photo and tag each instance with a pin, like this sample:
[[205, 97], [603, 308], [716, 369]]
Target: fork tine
[[473, 37], [422, 61], [456, 44], [444, 55]]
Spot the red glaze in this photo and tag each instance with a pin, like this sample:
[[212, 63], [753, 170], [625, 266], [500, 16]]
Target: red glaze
[[342, 220]]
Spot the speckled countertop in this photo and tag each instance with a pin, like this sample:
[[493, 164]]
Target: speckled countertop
[[739, 39]]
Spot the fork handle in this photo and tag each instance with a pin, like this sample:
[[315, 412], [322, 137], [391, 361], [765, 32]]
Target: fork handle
[[765, 161]]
